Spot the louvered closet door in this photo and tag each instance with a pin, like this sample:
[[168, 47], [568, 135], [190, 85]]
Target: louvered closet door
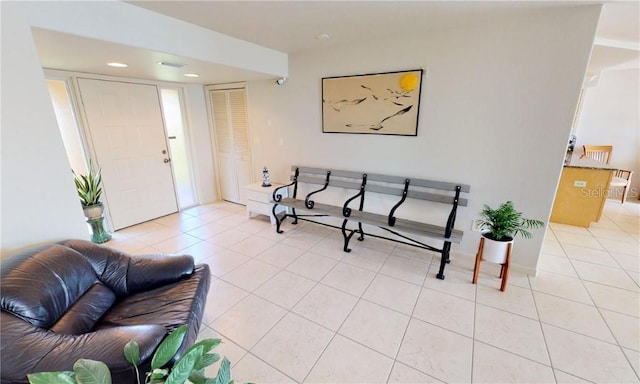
[[232, 142]]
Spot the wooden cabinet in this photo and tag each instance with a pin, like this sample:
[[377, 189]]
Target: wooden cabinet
[[581, 195], [259, 199]]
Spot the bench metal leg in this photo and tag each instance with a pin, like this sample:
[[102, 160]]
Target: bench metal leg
[[444, 259], [347, 238], [295, 216], [278, 220], [361, 237]]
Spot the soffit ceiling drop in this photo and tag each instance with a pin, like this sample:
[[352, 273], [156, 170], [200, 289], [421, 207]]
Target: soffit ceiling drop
[[270, 24]]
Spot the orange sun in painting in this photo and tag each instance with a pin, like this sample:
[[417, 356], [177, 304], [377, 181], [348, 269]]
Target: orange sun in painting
[[409, 82]]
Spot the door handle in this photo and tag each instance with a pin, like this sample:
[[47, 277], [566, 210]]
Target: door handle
[[166, 161]]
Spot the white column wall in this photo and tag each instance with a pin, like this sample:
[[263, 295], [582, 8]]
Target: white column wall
[[39, 200]]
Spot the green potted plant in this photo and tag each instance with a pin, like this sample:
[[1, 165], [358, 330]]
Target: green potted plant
[[190, 366], [89, 189], [501, 226]]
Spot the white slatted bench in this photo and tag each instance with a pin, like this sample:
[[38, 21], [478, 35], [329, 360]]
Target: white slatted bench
[[402, 229]]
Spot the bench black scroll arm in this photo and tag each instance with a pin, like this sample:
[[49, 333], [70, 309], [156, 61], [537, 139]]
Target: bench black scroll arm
[[392, 219], [278, 197], [346, 211], [307, 201], [452, 216]]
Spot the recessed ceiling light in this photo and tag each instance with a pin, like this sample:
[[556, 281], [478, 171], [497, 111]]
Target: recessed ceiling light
[[191, 75], [117, 65], [323, 36]]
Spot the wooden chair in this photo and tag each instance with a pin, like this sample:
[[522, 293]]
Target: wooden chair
[[600, 153], [622, 178]]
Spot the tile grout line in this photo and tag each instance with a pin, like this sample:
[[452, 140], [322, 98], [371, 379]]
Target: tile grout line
[[404, 334], [607, 323], [289, 311], [598, 309], [475, 321], [544, 336], [340, 326]]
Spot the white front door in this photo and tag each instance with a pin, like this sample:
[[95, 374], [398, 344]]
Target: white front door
[[127, 132], [233, 152]]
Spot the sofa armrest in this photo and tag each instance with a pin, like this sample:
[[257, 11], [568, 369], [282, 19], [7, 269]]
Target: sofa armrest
[[28, 349], [126, 274], [150, 271]]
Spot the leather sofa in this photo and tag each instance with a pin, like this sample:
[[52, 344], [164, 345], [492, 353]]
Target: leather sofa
[[75, 299]]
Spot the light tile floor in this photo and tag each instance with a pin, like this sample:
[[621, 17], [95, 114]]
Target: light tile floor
[[294, 308]]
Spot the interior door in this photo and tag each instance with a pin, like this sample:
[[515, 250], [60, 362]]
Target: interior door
[[128, 136], [232, 142]]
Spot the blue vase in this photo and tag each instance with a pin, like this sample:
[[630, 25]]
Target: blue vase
[[98, 233], [95, 218]]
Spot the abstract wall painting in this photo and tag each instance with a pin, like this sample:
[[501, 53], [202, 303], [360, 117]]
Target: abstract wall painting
[[380, 103]]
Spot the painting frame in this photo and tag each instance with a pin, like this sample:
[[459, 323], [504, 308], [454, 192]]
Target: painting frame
[[386, 103]]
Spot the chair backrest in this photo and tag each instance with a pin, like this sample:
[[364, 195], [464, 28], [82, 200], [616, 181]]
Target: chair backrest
[[624, 174], [600, 153]]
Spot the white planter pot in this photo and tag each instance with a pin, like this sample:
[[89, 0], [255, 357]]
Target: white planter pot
[[495, 251]]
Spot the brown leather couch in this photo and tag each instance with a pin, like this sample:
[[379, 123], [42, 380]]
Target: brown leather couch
[[75, 299]]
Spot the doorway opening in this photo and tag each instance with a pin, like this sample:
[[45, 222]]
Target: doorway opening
[[66, 116], [76, 147], [175, 125]]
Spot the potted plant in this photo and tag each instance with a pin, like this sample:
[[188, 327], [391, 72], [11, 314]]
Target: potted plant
[[191, 365], [501, 226], [89, 189]]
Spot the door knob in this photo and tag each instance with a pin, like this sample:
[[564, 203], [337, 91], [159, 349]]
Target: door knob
[[166, 160]]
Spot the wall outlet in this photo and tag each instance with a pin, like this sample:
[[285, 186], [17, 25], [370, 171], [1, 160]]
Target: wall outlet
[[579, 183], [475, 225]]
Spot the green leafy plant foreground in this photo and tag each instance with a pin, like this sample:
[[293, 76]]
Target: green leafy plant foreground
[[189, 367], [504, 223], [89, 186]]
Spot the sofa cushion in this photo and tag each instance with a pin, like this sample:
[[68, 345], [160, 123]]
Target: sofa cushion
[[41, 285], [85, 312], [171, 306]]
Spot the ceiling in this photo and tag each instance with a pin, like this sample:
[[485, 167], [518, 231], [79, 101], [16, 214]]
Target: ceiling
[[293, 26]]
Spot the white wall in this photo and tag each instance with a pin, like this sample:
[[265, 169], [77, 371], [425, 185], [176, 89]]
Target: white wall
[[39, 200], [496, 113], [610, 116]]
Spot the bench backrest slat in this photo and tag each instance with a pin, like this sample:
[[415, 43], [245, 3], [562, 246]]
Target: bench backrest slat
[[445, 186], [447, 199], [437, 198], [332, 182], [334, 173]]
